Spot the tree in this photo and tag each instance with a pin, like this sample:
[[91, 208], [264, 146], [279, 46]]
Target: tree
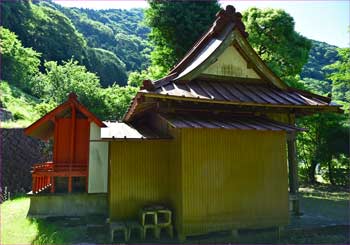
[[326, 143], [340, 77], [60, 80], [320, 55], [46, 30], [327, 139], [272, 35], [107, 66], [176, 25], [119, 31], [18, 64], [116, 101]]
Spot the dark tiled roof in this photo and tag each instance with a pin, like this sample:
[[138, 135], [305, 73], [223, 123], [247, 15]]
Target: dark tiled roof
[[233, 123], [239, 92]]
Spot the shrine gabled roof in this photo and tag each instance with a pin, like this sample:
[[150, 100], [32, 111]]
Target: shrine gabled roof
[[44, 127], [200, 77]]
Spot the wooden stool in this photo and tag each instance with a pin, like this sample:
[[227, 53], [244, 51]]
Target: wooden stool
[[148, 212], [169, 228], [163, 217], [145, 214], [164, 222], [134, 225], [150, 227], [119, 226]]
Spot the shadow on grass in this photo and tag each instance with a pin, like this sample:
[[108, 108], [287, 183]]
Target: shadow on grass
[[332, 212], [65, 230], [61, 231]]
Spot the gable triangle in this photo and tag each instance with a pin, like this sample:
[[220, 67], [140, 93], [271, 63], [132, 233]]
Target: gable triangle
[[230, 63]]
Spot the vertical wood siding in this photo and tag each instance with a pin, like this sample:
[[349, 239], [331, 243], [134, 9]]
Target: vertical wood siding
[[139, 173], [233, 179], [212, 179]]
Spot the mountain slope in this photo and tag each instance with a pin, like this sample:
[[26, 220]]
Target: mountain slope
[[119, 31], [313, 76]]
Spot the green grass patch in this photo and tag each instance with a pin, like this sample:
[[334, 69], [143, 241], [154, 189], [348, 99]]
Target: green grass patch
[[15, 228]]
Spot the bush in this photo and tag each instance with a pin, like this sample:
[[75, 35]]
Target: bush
[[340, 171]]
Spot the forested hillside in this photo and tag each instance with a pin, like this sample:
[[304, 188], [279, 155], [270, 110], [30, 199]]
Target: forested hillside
[[110, 43], [119, 31], [314, 76]]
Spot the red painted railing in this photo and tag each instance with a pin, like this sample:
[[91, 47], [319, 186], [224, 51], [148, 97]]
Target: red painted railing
[[43, 174], [40, 183]]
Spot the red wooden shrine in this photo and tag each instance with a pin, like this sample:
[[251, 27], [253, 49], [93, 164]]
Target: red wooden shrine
[[69, 127]]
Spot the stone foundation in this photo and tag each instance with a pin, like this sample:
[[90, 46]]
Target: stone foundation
[[68, 204]]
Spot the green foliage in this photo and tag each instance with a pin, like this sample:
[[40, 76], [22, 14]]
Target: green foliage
[[327, 139], [46, 30], [119, 31], [272, 35], [60, 80], [321, 54], [321, 87], [18, 64], [176, 26], [61, 33], [107, 66], [340, 77], [340, 171], [116, 101], [24, 108], [152, 73]]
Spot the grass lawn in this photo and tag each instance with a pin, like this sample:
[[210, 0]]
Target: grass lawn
[[318, 206], [16, 228]]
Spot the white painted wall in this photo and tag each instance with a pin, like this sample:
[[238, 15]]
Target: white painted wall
[[230, 63], [98, 162]]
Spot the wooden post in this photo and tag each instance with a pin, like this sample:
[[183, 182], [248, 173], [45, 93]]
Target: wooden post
[[37, 184], [52, 184], [69, 184], [55, 141], [33, 185], [293, 174], [72, 146]]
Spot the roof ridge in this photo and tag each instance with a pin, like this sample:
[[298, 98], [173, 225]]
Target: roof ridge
[[223, 17]]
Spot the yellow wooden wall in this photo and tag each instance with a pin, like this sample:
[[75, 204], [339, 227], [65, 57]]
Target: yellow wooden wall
[[138, 175], [212, 179], [233, 179]]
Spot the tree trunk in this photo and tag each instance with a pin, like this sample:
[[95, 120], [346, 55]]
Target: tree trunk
[[312, 171], [330, 172]]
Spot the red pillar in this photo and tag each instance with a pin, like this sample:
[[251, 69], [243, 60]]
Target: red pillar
[[70, 184], [33, 184], [52, 184]]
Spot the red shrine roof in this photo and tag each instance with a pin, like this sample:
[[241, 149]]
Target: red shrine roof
[[192, 80], [44, 127]]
